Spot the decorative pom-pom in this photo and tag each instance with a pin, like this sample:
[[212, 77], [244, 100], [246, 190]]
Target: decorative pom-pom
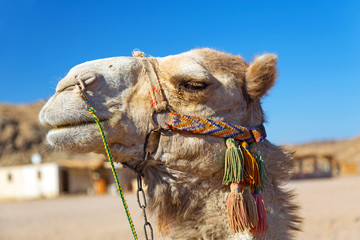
[[261, 227], [234, 163], [250, 166], [236, 211]]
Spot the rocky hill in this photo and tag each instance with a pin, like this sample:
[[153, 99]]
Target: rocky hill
[[22, 135]]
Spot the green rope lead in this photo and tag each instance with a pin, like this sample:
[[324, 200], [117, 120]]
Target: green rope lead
[[92, 111]]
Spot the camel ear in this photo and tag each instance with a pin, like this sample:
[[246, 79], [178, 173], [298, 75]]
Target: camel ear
[[260, 76]]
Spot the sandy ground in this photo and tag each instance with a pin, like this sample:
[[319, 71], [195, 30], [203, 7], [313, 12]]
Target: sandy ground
[[330, 208]]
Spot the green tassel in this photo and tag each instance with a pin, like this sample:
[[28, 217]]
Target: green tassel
[[261, 165], [234, 162]]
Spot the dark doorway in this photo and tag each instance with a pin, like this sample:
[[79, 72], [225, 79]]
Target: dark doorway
[[64, 181]]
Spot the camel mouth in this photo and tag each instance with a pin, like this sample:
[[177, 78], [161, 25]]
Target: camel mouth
[[73, 125], [79, 137]]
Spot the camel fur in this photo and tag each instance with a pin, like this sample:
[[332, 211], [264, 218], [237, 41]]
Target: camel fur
[[184, 176]]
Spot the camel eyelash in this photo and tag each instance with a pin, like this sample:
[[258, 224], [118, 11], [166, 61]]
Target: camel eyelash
[[193, 86]]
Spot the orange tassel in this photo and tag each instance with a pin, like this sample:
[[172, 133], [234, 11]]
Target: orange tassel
[[251, 167], [236, 210], [261, 227]]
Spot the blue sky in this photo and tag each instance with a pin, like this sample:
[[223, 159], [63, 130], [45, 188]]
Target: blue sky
[[316, 96]]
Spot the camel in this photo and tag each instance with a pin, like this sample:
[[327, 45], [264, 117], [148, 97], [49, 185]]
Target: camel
[[184, 175]]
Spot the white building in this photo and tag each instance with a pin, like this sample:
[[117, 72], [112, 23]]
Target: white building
[[30, 181], [48, 180]]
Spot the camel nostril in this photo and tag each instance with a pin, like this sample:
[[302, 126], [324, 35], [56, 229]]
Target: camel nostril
[[88, 77], [69, 82]]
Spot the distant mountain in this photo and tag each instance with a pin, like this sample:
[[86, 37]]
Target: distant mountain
[[22, 135]]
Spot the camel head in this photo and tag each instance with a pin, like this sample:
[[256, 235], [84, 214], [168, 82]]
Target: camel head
[[201, 82], [184, 174]]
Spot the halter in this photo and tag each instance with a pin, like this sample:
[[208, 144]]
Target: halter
[[186, 123], [244, 167]]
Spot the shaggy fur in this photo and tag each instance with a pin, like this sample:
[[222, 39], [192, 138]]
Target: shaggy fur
[[184, 176]]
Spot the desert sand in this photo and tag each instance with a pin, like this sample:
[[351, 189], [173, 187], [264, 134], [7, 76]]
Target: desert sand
[[330, 208]]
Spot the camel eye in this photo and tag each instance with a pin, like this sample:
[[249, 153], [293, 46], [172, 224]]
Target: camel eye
[[193, 86]]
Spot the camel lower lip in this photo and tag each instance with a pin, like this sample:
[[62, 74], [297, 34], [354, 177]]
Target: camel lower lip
[[78, 138]]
